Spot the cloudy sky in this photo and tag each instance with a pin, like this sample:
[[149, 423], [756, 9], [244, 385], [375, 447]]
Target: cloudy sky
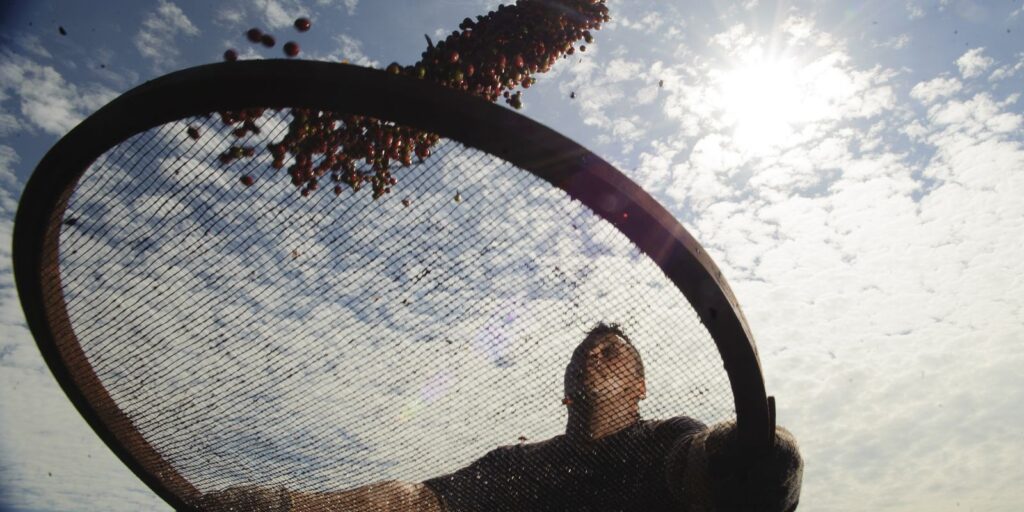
[[856, 172]]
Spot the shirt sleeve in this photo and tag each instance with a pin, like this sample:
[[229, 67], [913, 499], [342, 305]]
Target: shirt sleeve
[[674, 437], [707, 470], [671, 430], [488, 484]]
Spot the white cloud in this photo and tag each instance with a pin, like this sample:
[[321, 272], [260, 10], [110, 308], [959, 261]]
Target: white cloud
[[8, 123], [156, 39], [914, 9], [654, 169], [230, 15], [647, 94], [736, 36], [350, 5], [931, 90], [915, 130], [351, 49], [34, 46], [280, 13], [46, 99], [601, 95], [798, 28], [895, 42], [972, 63], [956, 112], [277, 14], [1008, 70], [274, 14], [8, 182], [619, 70], [802, 30], [648, 23]]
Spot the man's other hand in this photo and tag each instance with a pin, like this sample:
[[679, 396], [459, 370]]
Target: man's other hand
[[710, 473]]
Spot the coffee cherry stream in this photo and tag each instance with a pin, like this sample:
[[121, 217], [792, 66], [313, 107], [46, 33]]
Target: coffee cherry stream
[[491, 57]]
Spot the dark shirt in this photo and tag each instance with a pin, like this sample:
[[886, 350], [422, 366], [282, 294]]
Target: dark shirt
[[624, 471]]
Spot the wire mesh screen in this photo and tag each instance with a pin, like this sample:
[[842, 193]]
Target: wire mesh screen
[[252, 335]]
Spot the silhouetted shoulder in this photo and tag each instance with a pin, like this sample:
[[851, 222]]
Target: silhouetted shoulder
[[679, 423], [673, 428]]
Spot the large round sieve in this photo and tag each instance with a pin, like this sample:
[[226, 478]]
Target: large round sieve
[[215, 334]]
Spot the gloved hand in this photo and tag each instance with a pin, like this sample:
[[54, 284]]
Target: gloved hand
[[709, 472], [246, 498]]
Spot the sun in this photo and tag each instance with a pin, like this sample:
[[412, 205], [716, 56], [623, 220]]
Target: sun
[[761, 100]]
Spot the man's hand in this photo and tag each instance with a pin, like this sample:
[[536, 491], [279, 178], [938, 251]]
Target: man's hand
[[710, 473], [246, 498]]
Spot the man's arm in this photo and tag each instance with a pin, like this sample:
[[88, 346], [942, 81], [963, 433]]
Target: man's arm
[[478, 486], [389, 496]]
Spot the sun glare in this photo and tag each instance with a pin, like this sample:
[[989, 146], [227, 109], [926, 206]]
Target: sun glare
[[761, 99]]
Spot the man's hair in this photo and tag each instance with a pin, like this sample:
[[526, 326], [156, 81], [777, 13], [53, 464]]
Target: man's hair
[[575, 371]]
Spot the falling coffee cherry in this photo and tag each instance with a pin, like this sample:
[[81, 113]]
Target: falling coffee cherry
[[62, 31], [193, 132], [291, 48], [268, 40], [302, 24], [230, 55], [248, 180], [491, 57], [458, 197], [254, 35], [406, 202]]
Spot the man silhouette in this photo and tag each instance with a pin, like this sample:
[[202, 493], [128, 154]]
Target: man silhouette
[[609, 459]]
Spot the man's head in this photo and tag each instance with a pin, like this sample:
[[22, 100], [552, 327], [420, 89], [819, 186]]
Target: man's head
[[605, 367]]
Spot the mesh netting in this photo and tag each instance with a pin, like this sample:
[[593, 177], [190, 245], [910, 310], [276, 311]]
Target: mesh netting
[[255, 336]]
